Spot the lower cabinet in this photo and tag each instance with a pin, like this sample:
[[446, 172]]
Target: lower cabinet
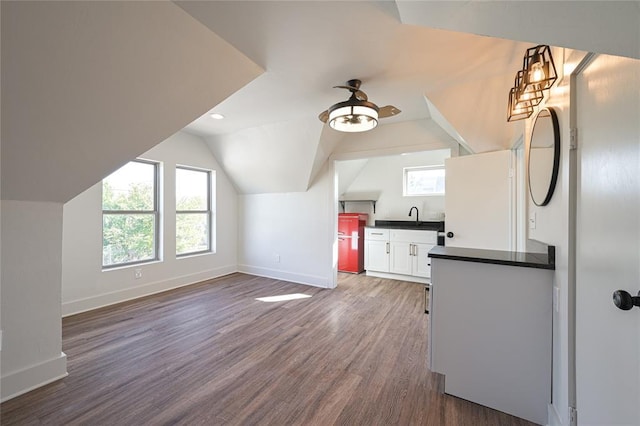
[[400, 257], [421, 260], [491, 334], [376, 256], [399, 251], [410, 258]]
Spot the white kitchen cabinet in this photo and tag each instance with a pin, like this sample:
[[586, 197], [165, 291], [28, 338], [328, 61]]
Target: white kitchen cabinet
[[409, 250], [403, 255], [410, 258], [376, 250], [400, 257], [421, 261]]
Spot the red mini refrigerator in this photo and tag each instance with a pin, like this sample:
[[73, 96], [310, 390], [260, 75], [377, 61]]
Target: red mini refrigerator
[[351, 242]]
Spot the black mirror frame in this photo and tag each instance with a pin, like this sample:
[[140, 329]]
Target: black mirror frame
[[556, 156]]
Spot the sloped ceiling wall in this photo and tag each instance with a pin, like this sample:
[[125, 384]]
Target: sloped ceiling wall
[[87, 86], [464, 78], [275, 157], [396, 138], [611, 27], [286, 156], [477, 110]]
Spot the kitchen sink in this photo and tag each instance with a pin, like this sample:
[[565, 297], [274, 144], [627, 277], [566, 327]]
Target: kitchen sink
[[411, 224]]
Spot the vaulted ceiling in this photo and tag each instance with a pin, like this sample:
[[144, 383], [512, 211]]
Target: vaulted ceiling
[[87, 86], [447, 65]]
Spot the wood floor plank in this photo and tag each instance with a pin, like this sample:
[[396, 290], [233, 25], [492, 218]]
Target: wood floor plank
[[213, 354]]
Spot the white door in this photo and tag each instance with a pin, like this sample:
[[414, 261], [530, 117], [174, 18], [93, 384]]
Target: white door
[[608, 242], [400, 259], [376, 256], [421, 260], [478, 201]]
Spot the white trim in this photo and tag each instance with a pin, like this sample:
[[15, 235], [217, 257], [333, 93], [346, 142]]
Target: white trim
[[520, 200], [35, 376], [398, 277], [82, 305], [312, 280], [553, 416]]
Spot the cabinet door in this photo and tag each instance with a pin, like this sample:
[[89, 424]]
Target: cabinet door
[[377, 256], [421, 260], [400, 258]]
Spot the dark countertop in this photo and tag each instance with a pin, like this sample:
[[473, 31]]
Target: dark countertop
[[509, 258], [410, 224]]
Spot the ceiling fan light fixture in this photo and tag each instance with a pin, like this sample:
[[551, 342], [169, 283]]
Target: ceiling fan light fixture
[[353, 116]]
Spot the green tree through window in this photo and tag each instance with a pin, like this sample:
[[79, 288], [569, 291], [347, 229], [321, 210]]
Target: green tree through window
[[193, 211], [130, 214]]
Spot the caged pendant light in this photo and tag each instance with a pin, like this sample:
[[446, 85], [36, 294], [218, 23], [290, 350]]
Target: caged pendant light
[[538, 74], [539, 69], [526, 95], [515, 110]]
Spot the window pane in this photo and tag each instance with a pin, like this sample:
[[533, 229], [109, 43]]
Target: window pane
[[130, 188], [425, 182], [127, 238], [192, 189], [192, 232]]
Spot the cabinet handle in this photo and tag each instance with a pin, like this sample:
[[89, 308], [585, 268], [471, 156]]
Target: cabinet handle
[[376, 233], [387, 248]]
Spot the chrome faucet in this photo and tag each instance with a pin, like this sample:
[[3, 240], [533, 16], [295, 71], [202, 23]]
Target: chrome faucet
[[411, 210]]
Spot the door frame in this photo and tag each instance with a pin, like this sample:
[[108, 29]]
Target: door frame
[[573, 228]]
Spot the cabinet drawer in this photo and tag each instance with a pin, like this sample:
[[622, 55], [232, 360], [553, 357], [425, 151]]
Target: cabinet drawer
[[426, 237], [376, 234]]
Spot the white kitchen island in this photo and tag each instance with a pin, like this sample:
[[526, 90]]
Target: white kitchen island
[[491, 329]]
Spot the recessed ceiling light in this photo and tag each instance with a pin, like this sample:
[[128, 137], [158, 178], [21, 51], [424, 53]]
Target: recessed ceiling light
[[216, 116]]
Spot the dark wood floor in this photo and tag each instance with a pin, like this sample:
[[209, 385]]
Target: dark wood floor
[[212, 354]]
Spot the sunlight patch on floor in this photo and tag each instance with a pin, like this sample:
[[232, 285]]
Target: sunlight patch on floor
[[283, 297]]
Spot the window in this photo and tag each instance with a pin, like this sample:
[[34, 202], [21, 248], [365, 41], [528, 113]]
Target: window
[[427, 180], [130, 215], [193, 211]]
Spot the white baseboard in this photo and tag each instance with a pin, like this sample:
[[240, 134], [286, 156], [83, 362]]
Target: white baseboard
[[82, 305], [312, 280], [30, 378], [409, 278]]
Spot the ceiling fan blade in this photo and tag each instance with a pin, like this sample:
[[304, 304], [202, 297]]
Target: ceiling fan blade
[[388, 111], [360, 95], [345, 87], [324, 116]]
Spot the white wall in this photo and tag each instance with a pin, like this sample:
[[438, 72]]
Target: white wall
[[86, 286], [385, 175], [31, 277], [289, 236]]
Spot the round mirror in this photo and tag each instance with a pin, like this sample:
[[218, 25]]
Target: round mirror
[[544, 156]]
